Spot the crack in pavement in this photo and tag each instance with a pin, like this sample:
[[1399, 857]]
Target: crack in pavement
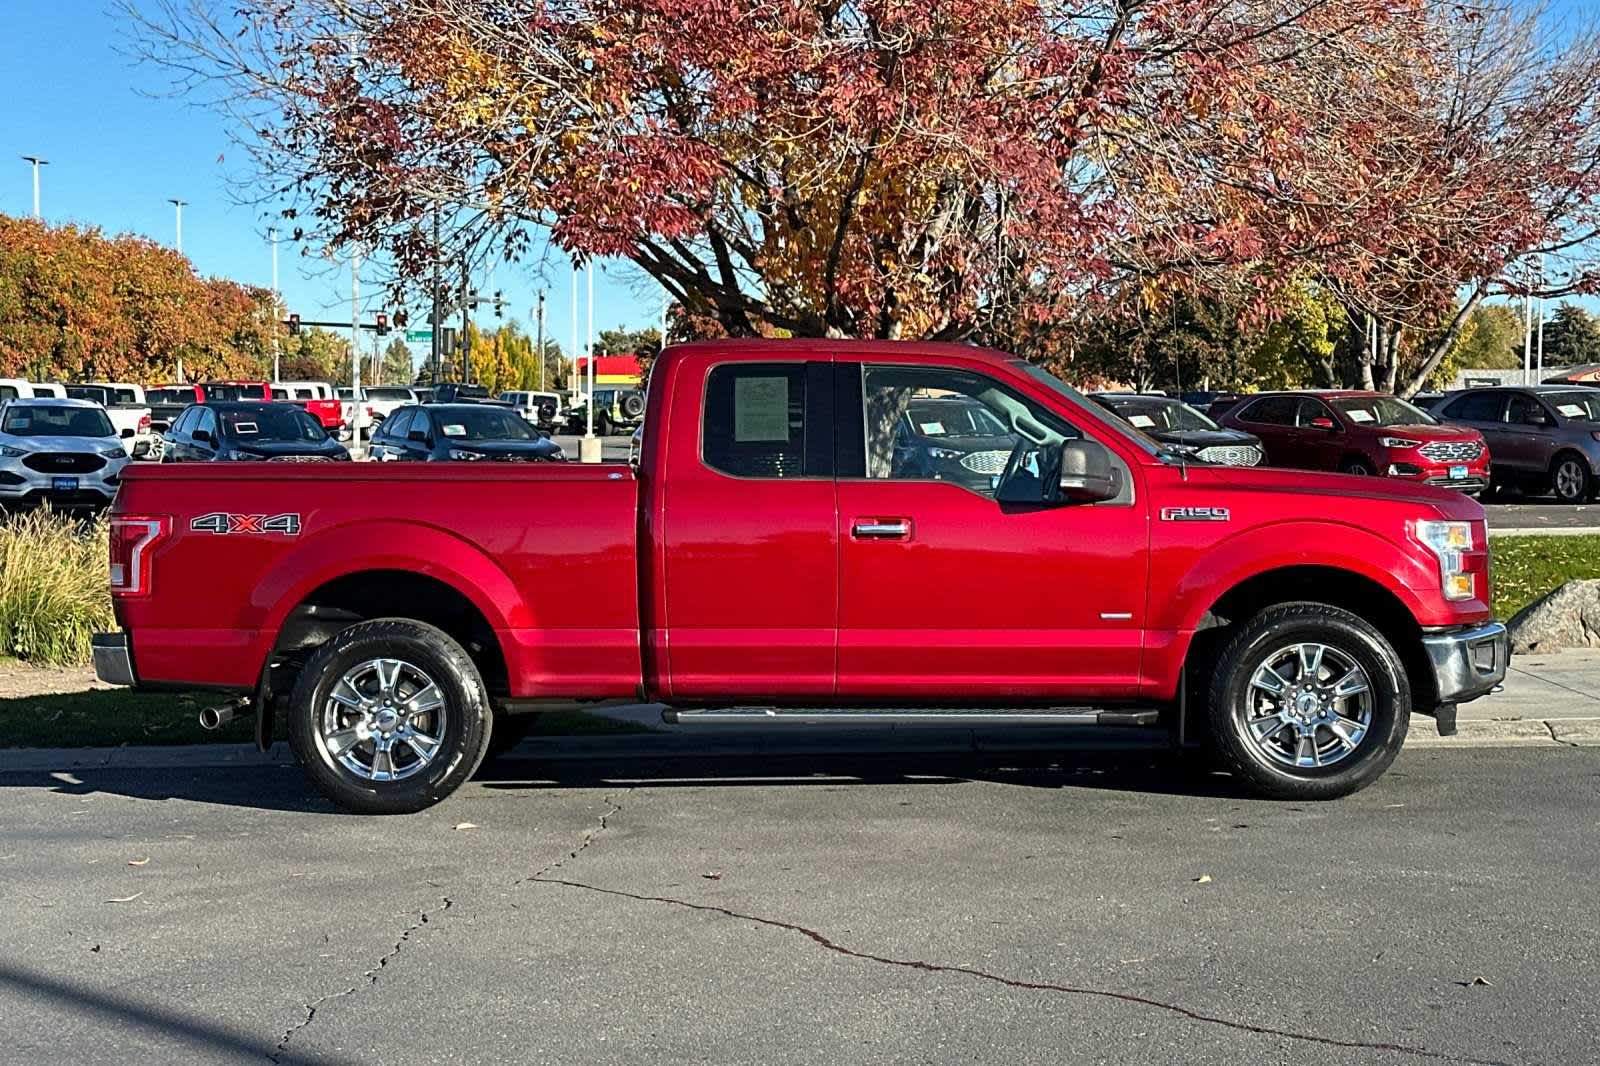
[[1550, 727], [370, 976], [589, 837], [827, 943]]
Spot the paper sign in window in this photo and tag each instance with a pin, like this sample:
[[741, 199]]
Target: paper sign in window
[[1571, 410], [1142, 421], [761, 409], [1360, 416]]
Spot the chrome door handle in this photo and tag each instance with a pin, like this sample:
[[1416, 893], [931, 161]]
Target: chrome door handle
[[881, 529]]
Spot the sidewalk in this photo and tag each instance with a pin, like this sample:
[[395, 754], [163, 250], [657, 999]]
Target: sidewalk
[[1548, 701]]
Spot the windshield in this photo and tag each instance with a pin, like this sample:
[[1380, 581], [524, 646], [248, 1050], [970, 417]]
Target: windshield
[[955, 419], [483, 423], [258, 425], [1583, 406], [1076, 401], [185, 395], [57, 422], [1381, 411], [228, 393], [1154, 413], [89, 392]]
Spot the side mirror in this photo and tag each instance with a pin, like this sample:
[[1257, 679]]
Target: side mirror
[[1087, 473], [202, 436], [1074, 471], [127, 434], [417, 435], [1323, 423]]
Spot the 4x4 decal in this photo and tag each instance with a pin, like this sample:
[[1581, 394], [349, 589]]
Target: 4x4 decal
[[224, 523]]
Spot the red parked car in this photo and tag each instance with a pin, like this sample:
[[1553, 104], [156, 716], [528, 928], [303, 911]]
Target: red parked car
[[778, 556], [1368, 433]]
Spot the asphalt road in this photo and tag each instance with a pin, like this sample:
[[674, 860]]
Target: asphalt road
[[1019, 909]]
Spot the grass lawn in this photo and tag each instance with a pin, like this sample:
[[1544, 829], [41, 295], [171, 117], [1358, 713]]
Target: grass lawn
[[1525, 568], [114, 717]]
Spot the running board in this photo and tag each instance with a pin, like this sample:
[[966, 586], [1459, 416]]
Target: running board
[[911, 716]]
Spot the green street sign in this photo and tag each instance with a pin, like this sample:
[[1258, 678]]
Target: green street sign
[[419, 335]]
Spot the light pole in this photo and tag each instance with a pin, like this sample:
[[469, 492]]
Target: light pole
[[589, 449], [357, 408], [538, 315], [37, 163], [572, 353], [277, 370], [177, 207]]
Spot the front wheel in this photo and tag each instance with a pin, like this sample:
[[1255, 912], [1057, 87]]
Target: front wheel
[[389, 717], [1358, 466], [1308, 701]]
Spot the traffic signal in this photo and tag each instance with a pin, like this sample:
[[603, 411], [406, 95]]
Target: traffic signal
[[499, 304], [383, 323], [294, 324]]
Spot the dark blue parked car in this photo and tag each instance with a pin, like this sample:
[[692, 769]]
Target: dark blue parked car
[[460, 432]]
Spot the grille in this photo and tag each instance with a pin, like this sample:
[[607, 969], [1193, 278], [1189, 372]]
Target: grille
[[514, 458], [64, 462], [1232, 455], [300, 459], [986, 462], [1452, 451]]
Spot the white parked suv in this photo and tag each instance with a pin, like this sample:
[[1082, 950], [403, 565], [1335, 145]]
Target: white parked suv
[[543, 409], [125, 405], [382, 400], [62, 452]]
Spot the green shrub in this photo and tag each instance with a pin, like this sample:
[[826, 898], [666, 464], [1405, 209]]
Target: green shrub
[[53, 587]]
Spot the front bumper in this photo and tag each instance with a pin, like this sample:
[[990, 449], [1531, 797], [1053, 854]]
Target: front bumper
[[23, 486], [1469, 662], [113, 658]]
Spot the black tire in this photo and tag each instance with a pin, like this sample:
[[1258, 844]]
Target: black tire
[[1269, 633], [602, 424], [632, 405], [1570, 478], [466, 712], [1357, 465]]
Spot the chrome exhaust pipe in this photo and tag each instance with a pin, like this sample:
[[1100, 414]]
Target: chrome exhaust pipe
[[213, 718]]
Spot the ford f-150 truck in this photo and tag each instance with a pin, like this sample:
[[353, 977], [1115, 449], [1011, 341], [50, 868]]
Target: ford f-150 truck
[[777, 547]]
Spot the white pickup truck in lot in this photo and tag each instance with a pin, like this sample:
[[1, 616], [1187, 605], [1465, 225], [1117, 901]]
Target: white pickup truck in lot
[[126, 407]]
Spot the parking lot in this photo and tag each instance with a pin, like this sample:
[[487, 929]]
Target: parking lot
[[1046, 907]]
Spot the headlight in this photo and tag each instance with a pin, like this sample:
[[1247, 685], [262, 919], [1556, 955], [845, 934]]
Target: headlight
[[465, 455], [945, 453], [558, 454], [247, 456], [1399, 442], [1451, 543], [16, 453], [114, 452]]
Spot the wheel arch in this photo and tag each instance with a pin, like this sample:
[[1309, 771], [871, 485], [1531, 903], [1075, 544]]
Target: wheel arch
[[1337, 586]]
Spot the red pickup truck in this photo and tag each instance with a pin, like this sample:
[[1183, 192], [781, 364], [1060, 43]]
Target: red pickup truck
[[788, 540]]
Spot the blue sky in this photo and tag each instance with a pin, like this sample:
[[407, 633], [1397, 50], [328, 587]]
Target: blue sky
[[117, 155]]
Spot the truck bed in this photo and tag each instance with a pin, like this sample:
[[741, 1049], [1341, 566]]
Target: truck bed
[[544, 551]]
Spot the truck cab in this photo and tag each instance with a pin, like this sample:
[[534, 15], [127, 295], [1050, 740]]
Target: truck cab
[[787, 542]]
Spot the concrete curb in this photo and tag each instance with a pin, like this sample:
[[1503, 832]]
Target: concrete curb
[[763, 741], [1547, 531]]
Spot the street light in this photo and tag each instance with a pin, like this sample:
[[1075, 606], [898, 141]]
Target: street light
[[178, 208], [37, 163], [272, 235]]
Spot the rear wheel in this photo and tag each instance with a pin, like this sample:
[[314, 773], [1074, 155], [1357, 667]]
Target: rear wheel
[[1357, 465], [1308, 701], [1570, 479], [389, 717]]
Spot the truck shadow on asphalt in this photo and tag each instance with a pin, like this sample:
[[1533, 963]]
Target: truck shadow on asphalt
[[281, 787]]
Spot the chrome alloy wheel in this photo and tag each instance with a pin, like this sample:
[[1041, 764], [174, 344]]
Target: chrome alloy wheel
[[1308, 705], [384, 720], [1570, 480]]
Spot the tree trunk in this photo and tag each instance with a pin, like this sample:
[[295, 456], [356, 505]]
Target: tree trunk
[[1365, 359], [1442, 346]]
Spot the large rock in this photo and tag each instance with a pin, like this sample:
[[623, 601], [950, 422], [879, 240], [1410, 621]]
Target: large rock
[[1569, 617]]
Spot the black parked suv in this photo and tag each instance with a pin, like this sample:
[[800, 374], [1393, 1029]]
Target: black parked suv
[[243, 432], [1183, 429], [460, 432]]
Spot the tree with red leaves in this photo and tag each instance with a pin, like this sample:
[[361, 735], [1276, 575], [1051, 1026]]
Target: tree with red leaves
[[932, 168]]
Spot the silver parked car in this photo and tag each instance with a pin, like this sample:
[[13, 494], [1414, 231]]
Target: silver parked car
[[62, 452]]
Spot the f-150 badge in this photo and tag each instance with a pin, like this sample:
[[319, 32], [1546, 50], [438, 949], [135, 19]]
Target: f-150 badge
[[1195, 514], [224, 523]]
